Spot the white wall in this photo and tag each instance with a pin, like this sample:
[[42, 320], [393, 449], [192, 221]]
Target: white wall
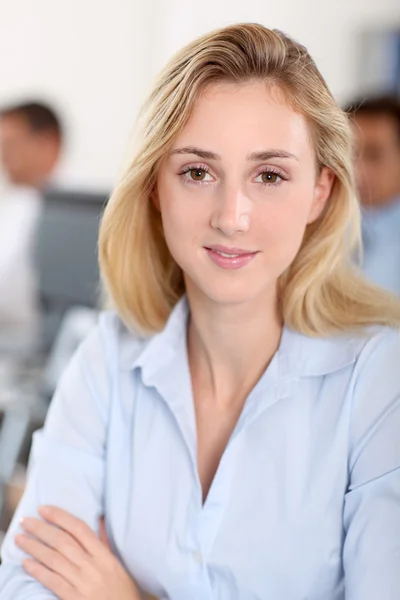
[[89, 58], [95, 58], [328, 29]]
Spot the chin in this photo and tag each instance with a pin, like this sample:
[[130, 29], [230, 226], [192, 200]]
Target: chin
[[228, 294]]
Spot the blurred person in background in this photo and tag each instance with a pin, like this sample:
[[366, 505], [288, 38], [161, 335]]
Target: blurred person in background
[[31, 140], [376, 127], [233, 424]]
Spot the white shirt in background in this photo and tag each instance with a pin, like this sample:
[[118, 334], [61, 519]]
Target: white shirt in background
[[20, 209]]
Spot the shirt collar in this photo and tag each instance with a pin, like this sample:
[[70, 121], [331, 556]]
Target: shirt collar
[[306, 356], [160, 349], [298, 355]]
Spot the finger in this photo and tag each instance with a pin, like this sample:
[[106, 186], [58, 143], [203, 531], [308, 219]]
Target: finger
[[49, 558], [103, 534], [55, 538], [77, 528], [52, 581]]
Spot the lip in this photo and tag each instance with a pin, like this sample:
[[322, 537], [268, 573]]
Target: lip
[[239, 258], [219, 248]]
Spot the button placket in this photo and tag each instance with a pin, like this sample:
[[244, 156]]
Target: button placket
[[217, 500]]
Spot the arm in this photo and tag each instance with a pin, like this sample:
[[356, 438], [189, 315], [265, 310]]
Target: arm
[[67, 460], [372, 505]]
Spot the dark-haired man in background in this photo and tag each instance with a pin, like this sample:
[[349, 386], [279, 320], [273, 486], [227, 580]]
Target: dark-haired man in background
[[31, 140], [376, 125]]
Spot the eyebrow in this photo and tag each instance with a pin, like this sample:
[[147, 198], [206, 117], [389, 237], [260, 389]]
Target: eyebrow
[[267, 154], [253, 157]]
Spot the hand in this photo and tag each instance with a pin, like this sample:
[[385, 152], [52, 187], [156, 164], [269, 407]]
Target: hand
[[71, 561]]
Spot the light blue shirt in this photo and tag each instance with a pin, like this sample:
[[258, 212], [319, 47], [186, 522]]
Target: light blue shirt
[[381, 239], [305, 504]]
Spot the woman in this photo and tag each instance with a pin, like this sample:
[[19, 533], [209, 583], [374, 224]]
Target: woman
[[239, 432]]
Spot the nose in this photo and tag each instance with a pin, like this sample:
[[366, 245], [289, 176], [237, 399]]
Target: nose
[[231, 212]]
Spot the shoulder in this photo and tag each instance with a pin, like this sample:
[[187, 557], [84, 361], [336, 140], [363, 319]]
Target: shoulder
[[111, 349], [375, 382], [375, 407], [378, 350], [112, 343], [350, 351], [361, 372], [96, 365], [374, 401]]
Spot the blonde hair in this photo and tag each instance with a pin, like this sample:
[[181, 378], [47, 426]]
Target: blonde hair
[[321, 293]]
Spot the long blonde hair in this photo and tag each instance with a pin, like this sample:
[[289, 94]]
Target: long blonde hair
[[321, 292]]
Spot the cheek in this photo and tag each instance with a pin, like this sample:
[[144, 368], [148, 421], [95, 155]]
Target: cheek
[[284, 222], [183, 222]]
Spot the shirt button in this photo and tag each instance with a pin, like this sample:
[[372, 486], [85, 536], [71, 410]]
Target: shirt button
[[197, 558]]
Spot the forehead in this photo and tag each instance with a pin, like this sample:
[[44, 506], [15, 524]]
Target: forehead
[[252, 116], [14, 125]]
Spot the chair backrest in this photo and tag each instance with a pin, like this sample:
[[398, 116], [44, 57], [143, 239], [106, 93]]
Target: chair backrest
[[66, 255]]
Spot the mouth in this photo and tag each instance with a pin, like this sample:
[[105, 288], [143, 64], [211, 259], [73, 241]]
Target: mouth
[[230, 258], [229, 252]]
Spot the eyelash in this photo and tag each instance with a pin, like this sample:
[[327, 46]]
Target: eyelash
[[206, 169], [189, 168], [272, 171]]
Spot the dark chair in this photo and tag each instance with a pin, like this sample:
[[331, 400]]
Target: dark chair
[[66, 255], [68, 277]]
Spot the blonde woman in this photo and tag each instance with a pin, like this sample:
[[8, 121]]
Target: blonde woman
[[236, 420]]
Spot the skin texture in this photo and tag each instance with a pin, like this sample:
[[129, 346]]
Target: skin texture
[[231, 205]]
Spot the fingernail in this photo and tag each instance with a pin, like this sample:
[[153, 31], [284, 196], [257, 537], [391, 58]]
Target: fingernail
[[27, 523], [44, 510]]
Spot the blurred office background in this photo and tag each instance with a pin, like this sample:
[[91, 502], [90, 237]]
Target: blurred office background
[[94, 61]]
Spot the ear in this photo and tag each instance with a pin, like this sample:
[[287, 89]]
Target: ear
[[322, 192]]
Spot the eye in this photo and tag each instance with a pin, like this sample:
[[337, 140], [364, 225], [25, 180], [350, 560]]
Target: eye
[[197, 174], [269, 177]]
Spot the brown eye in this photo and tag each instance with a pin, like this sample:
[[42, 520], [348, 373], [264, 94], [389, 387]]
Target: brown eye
[[269, 177], [197, 174]]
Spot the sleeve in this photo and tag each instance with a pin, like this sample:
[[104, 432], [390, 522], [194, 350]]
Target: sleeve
[[66, 465], [371, 554]]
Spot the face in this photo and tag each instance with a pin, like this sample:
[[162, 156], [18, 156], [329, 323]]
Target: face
[[378, 159], [237, 191], [27, 157]]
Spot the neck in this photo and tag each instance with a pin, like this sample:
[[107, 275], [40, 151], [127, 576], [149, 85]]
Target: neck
[[230, 346]]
